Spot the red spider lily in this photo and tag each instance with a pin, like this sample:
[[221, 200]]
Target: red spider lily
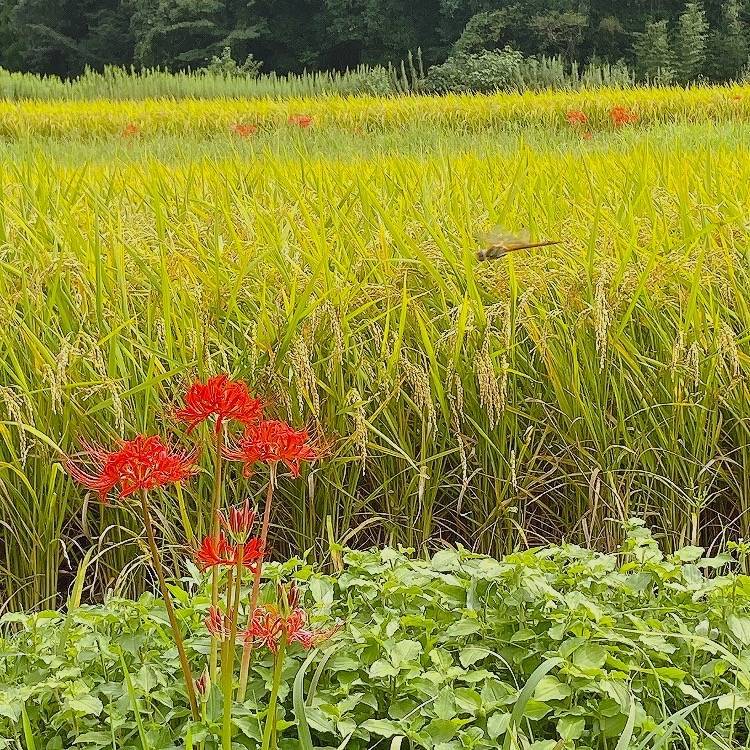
[[265, 629], [203, 682], [622, 116], [220, 397], [130, 130], [303, 121], [268, 625], [575, 117], [215, 551], [218, 551], [238, 521], [587, 135], [143, 463], [289, 596], [272, 441], [244, 130], [736, 98], [218, 624]]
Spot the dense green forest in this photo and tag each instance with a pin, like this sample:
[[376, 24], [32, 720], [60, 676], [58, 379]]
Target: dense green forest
[[686, 40]]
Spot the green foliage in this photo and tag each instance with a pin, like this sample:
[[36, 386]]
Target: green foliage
[[486, 30], [653, 54], [459, 651], [484, 72], [560, 32], [690, 43], [226, 66], [508, 69], [729, 44], [184, 33], [67, 36]]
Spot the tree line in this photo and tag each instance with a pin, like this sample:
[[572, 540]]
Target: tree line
[[669, 40]]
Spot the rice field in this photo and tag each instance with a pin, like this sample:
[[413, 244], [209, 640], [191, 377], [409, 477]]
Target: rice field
[[547, 395]]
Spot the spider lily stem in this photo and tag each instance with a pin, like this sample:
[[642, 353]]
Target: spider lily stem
[[247, 649], [215, 507], [156, 560], [269, 731], [227, 661]]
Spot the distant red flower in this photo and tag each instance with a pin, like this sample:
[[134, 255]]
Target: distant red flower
[[219, 551], [238, 521], [244, 130], [587, 135], [736, 98], [268, 625], [220, 397], [143, 463], [217, 623], [270, 442], [622, 116], [575, 117], [130, 130], [303, 121]]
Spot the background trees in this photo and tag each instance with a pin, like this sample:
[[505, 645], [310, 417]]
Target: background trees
[[669, 39]]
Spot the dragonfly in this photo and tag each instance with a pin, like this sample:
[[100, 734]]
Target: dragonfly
[[497, 243]]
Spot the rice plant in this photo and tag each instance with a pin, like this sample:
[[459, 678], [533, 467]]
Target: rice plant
[[549, 394]]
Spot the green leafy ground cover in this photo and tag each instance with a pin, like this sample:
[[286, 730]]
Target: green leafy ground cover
[[549, 648]]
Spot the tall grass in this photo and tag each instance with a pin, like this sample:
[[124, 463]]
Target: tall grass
[[549, 394], [123, 84], [120, 83]]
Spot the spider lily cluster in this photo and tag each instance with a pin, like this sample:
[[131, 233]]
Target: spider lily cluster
[[231, 550]]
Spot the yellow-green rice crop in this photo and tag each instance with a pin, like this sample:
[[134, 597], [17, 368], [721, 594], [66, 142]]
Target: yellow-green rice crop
[[549, 394], [468, 112]]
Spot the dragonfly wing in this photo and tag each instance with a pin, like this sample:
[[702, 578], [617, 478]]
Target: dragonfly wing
[[496, 236]]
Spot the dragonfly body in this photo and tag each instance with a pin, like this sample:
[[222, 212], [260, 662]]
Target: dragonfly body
[[498, 243]]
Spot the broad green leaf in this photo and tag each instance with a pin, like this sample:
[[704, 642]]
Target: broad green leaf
[[498, 724], [381, 727], [97, 739], [444, 561], [468, 700], [442, 730], [85, 704], [733, 701], [689, 554], [464, 626], [405, 651], [740, 628], [571, 727], [590, 656], [471, 655], [322, 590], [445, 704], [382, 668], [550, 688]]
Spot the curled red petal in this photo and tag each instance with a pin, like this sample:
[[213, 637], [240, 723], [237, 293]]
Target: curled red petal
[[144, 463], [272, 441], [222, 398]]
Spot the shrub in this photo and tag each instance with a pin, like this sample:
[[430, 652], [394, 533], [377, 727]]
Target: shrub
[[483, 72], [455, 652], [226, 66]]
